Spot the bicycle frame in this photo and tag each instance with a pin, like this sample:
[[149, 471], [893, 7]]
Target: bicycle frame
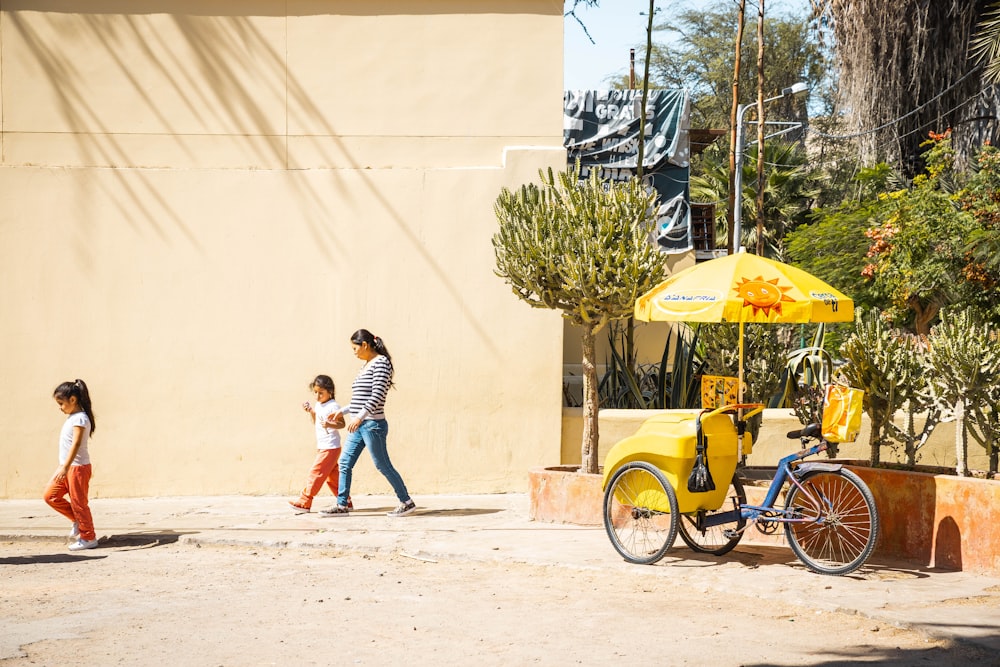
[[754, 512]]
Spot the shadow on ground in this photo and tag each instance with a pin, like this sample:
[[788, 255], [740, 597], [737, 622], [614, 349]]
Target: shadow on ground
[[48, 559], [143, 540], [952, 653], [458, 511], [754, 556]]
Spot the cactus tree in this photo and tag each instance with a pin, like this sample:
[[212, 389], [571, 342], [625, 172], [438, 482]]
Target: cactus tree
[[581, 247], [964, 361]]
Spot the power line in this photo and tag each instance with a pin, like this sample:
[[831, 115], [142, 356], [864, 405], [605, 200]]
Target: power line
[[883, 144], [901, 118]]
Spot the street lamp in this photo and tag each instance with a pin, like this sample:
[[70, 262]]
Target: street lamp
[[741, 110]]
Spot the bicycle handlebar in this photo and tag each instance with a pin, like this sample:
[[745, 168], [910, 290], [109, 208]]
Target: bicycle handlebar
[[810, 431]]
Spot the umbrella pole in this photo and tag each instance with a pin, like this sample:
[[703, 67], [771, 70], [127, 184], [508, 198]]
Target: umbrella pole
[[739, 412], [741, 369]]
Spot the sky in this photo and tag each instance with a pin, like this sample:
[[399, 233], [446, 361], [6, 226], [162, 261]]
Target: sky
[[618, 25]]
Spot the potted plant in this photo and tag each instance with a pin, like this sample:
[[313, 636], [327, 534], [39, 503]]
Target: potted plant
[[582, 247]]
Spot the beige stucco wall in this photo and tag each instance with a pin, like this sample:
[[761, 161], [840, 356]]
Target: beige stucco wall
[[200, 207]]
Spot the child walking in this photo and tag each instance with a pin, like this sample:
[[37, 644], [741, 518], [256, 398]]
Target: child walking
[[327, 415], [73, 474]]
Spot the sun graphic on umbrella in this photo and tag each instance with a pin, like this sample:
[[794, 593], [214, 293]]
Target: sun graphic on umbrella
[[763, 295]]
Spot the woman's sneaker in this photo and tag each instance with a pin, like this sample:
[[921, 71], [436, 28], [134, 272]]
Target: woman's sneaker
[[409, 507], [75, 531], [336, 510], [82, 544]]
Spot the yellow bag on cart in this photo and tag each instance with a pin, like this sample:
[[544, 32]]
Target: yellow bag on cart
[[842, 408]]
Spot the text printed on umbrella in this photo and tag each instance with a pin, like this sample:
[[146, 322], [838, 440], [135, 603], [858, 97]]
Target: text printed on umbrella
[[827, 299]]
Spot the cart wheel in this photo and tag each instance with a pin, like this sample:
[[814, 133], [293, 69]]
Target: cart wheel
[[720, 539], [640, 513], [837, 521]]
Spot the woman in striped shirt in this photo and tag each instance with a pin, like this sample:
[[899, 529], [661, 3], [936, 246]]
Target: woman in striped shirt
[[366, 424]]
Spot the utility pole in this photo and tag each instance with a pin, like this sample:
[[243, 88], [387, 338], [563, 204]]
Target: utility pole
[[735, 197], [645, 91], [760, 127]]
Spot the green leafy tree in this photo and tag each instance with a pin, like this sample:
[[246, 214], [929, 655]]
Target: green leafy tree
[[701, 58], [918, 256], [582, 247], [980, 198], [833, 245]]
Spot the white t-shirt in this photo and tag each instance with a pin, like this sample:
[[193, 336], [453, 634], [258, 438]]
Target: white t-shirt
[[66, 439], [326, 437]]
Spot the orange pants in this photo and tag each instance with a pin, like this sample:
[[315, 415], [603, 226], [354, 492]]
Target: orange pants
[[324, 470], [77, 510]]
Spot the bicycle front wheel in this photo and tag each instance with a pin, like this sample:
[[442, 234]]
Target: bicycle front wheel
[[836, 522], [720, 539], [640, 513]]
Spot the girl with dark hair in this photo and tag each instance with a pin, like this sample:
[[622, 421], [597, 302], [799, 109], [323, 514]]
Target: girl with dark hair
[[366, 423], [73, 475], [328, 418]]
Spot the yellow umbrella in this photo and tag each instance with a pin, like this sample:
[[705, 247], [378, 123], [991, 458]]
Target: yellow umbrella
[[744, 288]]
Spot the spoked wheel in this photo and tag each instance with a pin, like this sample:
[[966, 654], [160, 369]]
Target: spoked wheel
[[640, 513], [720, 539], [841, 524]]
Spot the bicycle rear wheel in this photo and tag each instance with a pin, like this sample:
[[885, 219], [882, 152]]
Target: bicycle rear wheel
[[841, 522], [640, 513], [720, 539]]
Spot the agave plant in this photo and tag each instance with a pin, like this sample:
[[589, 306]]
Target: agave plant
[[672, 383]]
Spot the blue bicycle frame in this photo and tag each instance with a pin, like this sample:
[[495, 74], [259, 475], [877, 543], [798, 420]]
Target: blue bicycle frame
[[783, 473]]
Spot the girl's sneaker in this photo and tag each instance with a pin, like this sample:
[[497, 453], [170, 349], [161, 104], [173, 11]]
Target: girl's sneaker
[[336, 510], [299, 509], [82, 544], [75, 531]]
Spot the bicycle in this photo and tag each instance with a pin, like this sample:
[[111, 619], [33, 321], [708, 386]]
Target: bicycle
[[829, 514]]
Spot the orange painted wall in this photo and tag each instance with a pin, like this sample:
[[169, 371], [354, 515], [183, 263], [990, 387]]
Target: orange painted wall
[[937, 520]]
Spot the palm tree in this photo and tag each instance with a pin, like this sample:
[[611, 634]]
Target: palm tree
[[789, 190], [905, 71], [985, 46]]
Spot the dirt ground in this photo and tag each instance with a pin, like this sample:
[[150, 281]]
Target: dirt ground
[[155, 604]]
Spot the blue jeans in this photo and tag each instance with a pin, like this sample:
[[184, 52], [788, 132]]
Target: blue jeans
[[372, 433]]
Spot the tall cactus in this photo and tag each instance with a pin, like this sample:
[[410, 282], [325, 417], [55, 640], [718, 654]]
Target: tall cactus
[[882, 362], [582, 247], [964, 364]]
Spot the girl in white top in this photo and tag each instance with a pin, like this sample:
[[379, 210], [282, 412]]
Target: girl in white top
[[328, 418], [72, 477]]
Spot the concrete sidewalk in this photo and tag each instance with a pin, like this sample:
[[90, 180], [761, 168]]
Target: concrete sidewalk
[[956, 605]]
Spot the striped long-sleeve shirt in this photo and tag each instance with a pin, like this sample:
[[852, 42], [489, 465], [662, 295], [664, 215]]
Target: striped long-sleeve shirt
[[370, 388]]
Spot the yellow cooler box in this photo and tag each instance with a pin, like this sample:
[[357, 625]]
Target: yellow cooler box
[[668, 441]]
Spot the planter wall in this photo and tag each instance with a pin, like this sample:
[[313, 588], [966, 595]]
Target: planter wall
[[939, 521], [562, 495]]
